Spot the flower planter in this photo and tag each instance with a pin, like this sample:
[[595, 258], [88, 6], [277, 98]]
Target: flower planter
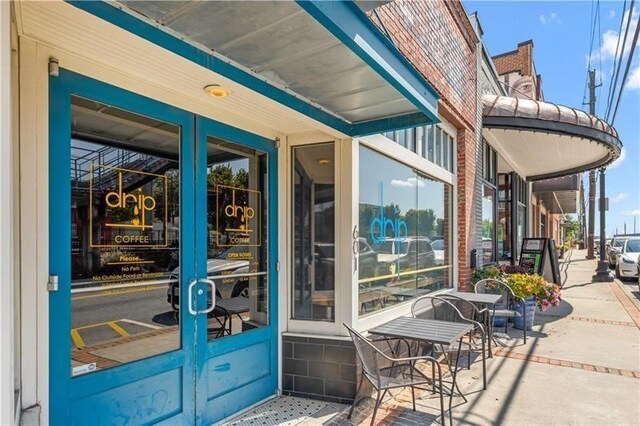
[[530, 307], [499, 321]]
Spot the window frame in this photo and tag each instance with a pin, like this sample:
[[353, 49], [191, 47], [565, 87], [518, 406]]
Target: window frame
[[489, 177], [288, 324], [381, 145]]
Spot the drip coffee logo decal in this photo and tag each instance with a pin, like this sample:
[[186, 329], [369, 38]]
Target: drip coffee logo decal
[[128, 202], [238, 218]]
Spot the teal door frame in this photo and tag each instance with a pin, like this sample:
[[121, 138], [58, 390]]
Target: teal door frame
[[193, 381], [240, 370]]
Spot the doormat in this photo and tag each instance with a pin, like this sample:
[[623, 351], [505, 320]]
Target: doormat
[[289, 411]]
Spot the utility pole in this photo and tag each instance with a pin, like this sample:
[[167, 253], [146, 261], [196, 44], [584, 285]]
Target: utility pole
[[602, 271], [583, 212], [592, 173]]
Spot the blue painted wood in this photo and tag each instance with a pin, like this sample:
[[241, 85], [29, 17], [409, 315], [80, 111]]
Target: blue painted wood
[[146, 401], [187, 375], [66, 393], [397, 123], [245, 365]]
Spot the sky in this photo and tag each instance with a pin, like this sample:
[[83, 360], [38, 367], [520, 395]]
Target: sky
[[561, 33]]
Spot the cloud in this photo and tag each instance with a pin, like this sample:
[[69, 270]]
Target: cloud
[[609, 45], [633, 82], [623, 155], [551, 18], [631, 213], [620, 197], [612, 13], [411, 182]]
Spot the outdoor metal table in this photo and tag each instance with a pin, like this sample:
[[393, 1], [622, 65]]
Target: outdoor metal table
[[229, 307], [428, 331], [484, 299]]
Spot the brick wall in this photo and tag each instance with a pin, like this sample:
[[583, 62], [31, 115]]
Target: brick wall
[[519, 60], [438, 39]]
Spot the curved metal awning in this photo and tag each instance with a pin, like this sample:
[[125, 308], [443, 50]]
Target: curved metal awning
[[544, 140]]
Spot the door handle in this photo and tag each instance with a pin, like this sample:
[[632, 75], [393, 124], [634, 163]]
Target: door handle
[[213, 295], [192, 284]]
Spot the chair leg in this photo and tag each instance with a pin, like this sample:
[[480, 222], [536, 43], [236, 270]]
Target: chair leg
[[524, 327], [484, 363], [433, 371], [469, 353], [375, 409], [355, 398]]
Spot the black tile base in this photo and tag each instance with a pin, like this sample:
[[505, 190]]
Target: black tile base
[[318, 368]]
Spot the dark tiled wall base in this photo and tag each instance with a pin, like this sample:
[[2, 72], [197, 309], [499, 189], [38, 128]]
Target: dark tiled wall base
[[323, 369]]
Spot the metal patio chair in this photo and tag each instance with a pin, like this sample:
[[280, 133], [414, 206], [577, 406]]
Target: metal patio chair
[[385, 373], [451, 308], [509, 300]]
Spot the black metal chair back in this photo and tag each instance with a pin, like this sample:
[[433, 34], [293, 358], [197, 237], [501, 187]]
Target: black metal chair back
[[368, 355], [493, 286]]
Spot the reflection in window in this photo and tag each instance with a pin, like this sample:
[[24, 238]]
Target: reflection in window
[[125, 218], [404, 233], [504, 216], [313, 296], [237, 237], [488, 230]]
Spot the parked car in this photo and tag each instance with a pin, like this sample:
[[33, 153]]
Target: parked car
[[627, 259], [409, 254], [615, 247], [438, 250], [638, 270], [223, 264]]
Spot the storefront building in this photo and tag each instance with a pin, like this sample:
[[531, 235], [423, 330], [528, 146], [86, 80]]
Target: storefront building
[[198, 195], [530, 154]]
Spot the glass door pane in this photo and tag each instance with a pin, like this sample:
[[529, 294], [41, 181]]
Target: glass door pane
[[237, 249], [125, 236]]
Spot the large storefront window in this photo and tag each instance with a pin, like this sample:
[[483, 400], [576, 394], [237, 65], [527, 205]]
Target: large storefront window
[[489, 205], [314, 233], [488, 224], [431, 142], [505, 215], [404, 233]]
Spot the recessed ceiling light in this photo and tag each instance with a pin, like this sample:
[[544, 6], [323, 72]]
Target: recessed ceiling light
[[324, 161], [216, 91]]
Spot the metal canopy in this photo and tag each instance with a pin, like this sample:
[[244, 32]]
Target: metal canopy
[[544, 140], [559, 195], [327, 54]]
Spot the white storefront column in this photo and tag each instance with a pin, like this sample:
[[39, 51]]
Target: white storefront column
[[7, 376]]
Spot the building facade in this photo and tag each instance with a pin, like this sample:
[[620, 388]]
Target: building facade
[[196, 196]]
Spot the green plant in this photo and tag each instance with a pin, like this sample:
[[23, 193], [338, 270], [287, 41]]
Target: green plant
[[524, 285], [533, 285], [486, 272]]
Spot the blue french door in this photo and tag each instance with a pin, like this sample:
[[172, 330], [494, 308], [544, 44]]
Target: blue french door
[[236, 224], [162, 305]]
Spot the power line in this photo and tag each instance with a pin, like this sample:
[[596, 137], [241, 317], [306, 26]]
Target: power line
[[612, 86], [629, 59]]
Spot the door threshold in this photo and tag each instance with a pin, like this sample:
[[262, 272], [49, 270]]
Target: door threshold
[[244, 411]]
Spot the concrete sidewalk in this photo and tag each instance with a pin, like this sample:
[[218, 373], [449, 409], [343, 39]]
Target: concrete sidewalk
[[581, 365]]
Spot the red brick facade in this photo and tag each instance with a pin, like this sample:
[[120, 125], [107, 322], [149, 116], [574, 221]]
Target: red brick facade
[[438, 39], [520, 60]]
